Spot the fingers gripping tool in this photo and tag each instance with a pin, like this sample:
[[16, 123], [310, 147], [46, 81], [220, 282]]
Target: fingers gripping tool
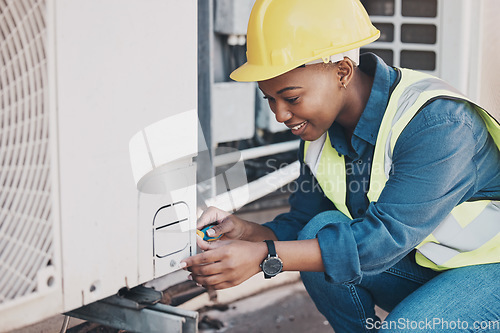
[[203, 234]]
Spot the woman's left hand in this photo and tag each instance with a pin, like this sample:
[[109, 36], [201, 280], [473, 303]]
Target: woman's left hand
[[225, 263]]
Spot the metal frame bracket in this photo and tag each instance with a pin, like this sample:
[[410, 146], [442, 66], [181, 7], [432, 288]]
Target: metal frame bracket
[[138, 310]]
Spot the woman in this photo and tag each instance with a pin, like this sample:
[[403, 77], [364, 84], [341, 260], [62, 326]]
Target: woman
[[406, 214]]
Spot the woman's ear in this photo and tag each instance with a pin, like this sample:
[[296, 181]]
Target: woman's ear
[[345, 71]]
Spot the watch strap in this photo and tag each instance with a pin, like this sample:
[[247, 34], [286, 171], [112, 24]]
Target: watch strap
[[271, 248]]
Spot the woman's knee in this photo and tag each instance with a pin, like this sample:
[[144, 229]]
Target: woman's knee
[[319, 289]]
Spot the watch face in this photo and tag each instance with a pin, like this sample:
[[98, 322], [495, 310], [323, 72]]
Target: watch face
[[272, 266]]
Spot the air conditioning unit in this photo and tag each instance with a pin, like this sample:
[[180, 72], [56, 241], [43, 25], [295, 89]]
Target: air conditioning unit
[[98, 128], [452, 39]]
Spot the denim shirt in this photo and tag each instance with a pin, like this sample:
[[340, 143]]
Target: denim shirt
[[444, 157]]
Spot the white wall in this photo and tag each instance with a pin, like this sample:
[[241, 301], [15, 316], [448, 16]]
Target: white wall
[[489, 66]]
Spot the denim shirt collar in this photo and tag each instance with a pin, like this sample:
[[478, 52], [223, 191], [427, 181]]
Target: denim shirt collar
[[368, 125]]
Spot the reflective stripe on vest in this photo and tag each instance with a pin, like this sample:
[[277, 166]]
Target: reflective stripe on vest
[[470, 234], [328, 167]]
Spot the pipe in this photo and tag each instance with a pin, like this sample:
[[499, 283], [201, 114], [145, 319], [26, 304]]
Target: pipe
[[256, 152], [235, 199]]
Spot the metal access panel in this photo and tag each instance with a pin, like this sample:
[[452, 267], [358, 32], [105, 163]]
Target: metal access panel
[[79, 79], [231, 17], [162, 163], [241, 105], [233, 111]]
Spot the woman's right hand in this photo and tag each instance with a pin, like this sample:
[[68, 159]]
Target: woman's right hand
[[230, 226]]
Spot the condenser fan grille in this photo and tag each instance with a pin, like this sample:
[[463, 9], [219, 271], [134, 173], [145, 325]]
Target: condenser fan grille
[[26, 235]]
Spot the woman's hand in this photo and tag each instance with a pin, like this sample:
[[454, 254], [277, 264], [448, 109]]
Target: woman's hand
[[232, 227], [225, 263]]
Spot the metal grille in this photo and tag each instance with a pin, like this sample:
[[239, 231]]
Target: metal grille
[[26, 235], [408, 32]]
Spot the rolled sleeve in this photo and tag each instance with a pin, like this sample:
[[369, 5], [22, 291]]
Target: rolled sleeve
[[339, 249]]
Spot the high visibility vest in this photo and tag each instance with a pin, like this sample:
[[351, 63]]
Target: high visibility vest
[[470, 234]]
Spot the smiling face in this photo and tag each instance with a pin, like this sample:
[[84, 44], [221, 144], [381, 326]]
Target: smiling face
[[307, 99]]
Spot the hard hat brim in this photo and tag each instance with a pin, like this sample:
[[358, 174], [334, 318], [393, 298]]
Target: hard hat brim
[[252, 73]]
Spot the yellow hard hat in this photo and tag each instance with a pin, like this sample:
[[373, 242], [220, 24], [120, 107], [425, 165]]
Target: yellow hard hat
[[285, 34]]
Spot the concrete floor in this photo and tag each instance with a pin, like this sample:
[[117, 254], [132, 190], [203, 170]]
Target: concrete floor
[[287, 308]]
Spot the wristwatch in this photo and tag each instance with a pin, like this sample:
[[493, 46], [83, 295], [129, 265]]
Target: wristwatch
[[272, 265]]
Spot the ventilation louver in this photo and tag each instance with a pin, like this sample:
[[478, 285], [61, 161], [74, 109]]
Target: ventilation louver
[[26, 235]]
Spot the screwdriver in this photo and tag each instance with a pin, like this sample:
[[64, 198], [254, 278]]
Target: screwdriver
[[203, 233]]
